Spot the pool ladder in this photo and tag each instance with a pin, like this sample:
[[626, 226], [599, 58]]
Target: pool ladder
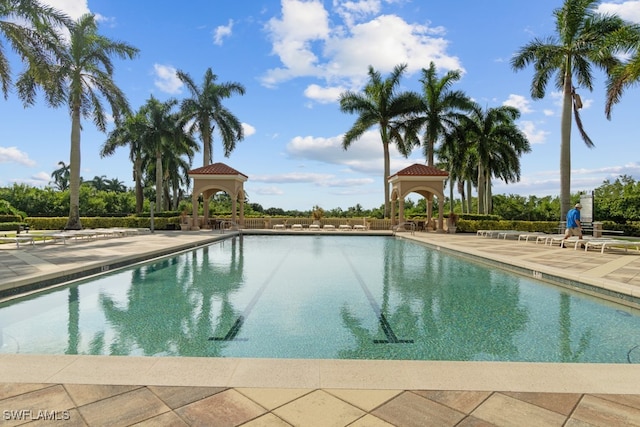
[[229, 224], [402, 227]]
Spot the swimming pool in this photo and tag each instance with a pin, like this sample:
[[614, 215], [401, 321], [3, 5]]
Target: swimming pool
[[357, 297]]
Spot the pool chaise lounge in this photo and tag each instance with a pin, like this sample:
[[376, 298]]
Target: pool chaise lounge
[[603, 244], [18, 239]]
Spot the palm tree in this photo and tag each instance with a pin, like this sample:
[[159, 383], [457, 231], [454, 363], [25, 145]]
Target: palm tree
[[497, 144], [129, 133], [380, 104], [81, 78], [205, 110], [626, 74], [99, 182], [582, 40], [61, 176], [115, 185], [439, 115], [30, 27]]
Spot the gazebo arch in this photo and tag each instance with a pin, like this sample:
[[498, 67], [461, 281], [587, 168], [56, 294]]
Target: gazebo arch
[[210, 179], [424, 180]]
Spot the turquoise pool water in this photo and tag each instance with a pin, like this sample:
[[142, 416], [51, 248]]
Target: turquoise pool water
[[321, 297]]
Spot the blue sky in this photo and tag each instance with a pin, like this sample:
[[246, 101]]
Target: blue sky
[[294, 58]]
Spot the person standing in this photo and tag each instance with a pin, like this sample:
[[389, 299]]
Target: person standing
[[574, 228]]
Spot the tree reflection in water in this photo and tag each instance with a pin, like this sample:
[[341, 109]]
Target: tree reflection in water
[[447, 316], [169, 309]]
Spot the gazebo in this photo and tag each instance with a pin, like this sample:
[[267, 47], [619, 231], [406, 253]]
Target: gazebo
[[210, 179], [424, 180]]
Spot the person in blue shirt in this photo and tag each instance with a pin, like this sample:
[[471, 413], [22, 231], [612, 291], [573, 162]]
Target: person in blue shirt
[[574, 228]]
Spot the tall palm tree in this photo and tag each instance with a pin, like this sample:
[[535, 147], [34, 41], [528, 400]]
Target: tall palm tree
[[82, 77], [497, 144], [61, 176], [438, 116], [129, 133], [160, 126], [380, 104], [31, 28], [205, 110], [582, 40]]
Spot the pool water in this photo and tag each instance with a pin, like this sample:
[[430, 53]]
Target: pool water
[[343, 297]]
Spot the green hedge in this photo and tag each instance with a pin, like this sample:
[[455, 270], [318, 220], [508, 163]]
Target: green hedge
[[58, 223], [12, 226]]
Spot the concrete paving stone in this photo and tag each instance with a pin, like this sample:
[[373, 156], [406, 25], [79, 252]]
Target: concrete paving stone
[[408, 409], [168, 419], [370, 421], [272, 398], [463, 401], [603, 412], [124, 409], [83, 394], [267, 420], [367, 400], [228, 408], [506, 411], [318, 409], [175, 397], [15, 389], [562, 403]]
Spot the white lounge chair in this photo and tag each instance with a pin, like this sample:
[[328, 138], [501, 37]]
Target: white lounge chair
[[279, 227], [314, 227], [329, 227], [344, 227], [18, 239], [296, 226], [611, 243]]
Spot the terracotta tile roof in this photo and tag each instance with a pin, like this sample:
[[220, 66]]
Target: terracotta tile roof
[[216, 169], [421, 170]]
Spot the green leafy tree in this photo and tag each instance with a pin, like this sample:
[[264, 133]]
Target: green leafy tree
[[61, 176], [497, 143], [129, 133], [380, 104], [628, 73], [82, 77], [584, 38], [31, 29]]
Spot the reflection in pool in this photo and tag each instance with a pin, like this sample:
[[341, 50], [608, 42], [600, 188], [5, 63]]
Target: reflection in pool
[[357, 297]]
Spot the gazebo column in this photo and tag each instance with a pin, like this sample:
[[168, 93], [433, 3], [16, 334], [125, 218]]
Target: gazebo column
[[242, 210], [233, 209], [194, 216], [440, 215], [400, 210], [393, 213]]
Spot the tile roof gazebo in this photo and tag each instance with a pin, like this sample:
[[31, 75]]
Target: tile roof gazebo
[[210, 179], [422, 179]]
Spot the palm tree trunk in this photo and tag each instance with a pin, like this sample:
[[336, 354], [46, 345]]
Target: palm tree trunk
[[138, 179], [159, 186], [565, 147], [469, 197], [73, 223], [481, 188], [489, 204], [387, 167]]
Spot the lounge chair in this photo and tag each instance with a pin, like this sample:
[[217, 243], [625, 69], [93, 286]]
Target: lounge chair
[[296, 226], [329, 227], [18, 239], [360, 227], [314, 227], [611, 243], [527, 236], [344, 227]]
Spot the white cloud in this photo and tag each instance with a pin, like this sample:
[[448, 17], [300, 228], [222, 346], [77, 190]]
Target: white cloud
[[363, 156], [221, 32], [629, 10], [310, 42], [14, 155], [548, 112], [535, 136], [267, 191], [519, 102], [248, 129], [166, 79], [323, 95], [74, 8]]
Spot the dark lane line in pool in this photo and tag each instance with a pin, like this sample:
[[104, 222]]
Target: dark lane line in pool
[[384, 323], [233, 331]]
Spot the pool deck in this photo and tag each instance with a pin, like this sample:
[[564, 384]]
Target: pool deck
[[157, 391]]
